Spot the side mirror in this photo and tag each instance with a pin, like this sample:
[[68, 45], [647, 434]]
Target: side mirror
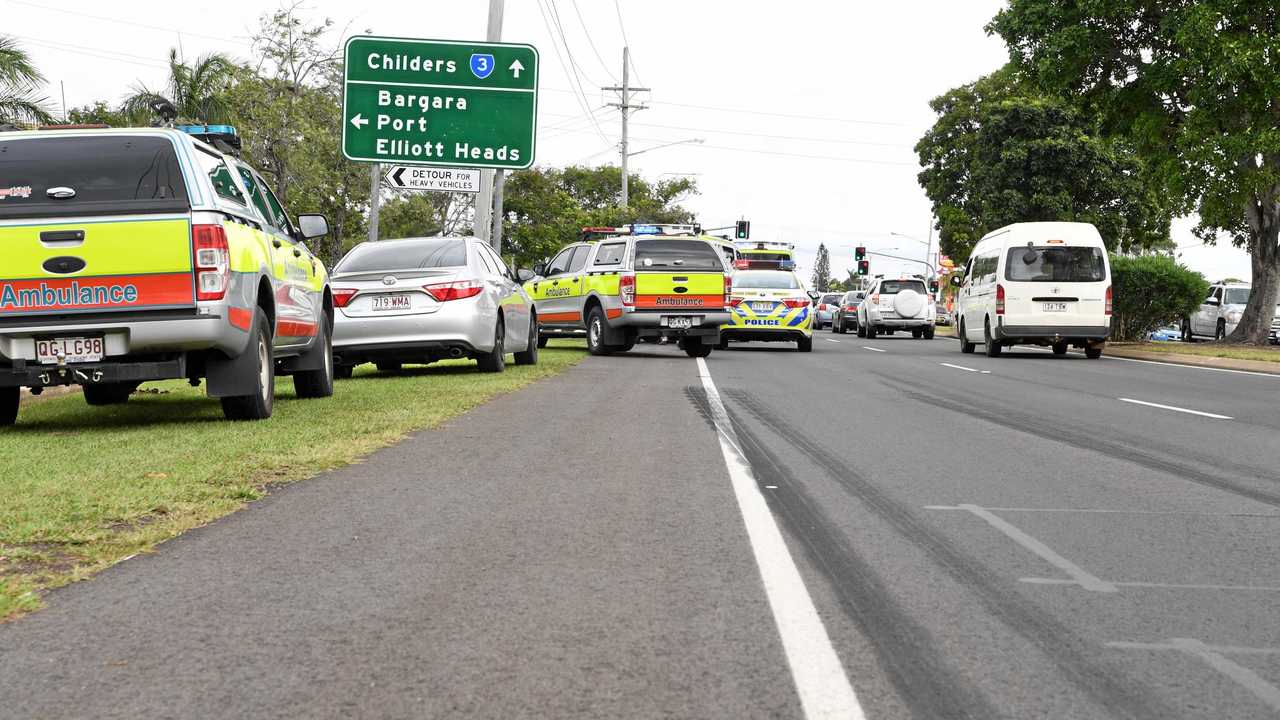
[[540, 270], [312, 226], [957, 280], [524, 275], [813, 295]]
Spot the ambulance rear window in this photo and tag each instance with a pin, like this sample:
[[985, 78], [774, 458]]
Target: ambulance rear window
[[78, 175], [686, 254]]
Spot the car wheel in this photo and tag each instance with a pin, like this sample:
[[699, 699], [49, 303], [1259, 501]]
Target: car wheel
[[1186, 331], [542, 341], [595, 332], [991, 345], [258, 405], [928, 333], [695, 347], [1221, 333], [109, 393], [1060, 348], [871, 331], [343, 372], [1093, 353], [965, 345], [529, 356], [917, 333], [723, 344], [861, 330], [495, 361], [805, 344], [10, 399], [317, 383]]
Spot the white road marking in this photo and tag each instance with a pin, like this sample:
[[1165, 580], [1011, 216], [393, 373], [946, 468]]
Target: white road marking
[[1176, 409], [1111, 510], [1273, 376], [1215, 658], [864, 347], [1157, 585], [832, 340], [1078, 574], [770, 487], [821, 683], [961, 367]]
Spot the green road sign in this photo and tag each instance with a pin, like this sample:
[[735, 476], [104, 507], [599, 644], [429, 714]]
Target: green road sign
[[438, 102]]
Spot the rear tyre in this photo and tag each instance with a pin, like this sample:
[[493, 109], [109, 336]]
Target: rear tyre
[[529, 356], [1093, 353], [542, 341], [388, 367], [258, 405], [696, 348], [595, 332], [1186, 331], [965, 346], [917, 333], [1221, 333], [928, 332], [723, 344], [495, 361], [991, 345], [837, 327], [343, 372], [861, 331], [805, 344], [109, 393], [10, 399], [871, 332], [309, 384], [1059, 348]]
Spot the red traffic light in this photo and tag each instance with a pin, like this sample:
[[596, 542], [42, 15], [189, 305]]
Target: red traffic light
[[864, 267], [859, 252]]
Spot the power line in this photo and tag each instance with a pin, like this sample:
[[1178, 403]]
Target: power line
[[104, 18], [564, 37], [791, 116], [777, 137], [581, 95], [627, 43], [592, 43], [101, 54]]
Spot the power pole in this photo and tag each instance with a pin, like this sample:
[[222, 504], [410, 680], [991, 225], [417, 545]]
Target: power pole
[[375, 199], [484, 201], [626, 107]]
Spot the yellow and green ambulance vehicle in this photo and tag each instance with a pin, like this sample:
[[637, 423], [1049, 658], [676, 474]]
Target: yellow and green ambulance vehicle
[[770, 306], [649, 283], [759, 255], [132, 255]]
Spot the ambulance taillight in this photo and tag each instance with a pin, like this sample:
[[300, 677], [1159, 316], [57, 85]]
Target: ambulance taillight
[[213, 261], [627, 289]]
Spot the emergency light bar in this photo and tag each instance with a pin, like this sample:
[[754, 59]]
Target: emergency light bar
[[594, 233], [213, 134]]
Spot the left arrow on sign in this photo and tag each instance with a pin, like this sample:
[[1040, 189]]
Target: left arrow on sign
[[359, 121], [395, 176]]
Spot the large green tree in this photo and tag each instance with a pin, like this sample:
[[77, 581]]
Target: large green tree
[[19, 80], [1195, 85], [546, 208], [1000, 153], [198, 90], [821, 280]]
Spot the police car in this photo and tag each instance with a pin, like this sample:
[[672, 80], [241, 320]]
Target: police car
[[622, 285], [154, 253], [772, 306]]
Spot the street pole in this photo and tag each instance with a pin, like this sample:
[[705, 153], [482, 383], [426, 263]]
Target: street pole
[[626, 107], [484, 201], [375, 199], [495, 235]]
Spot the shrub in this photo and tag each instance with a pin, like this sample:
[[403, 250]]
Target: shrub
[[1149, 291]]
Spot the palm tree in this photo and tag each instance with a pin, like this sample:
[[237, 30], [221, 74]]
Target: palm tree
[[18, 82], [197, 91]]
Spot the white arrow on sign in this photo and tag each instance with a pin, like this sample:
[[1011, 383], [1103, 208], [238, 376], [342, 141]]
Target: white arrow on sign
[[359, 121], [516, 68]]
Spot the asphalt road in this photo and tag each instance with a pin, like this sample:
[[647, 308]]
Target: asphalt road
[[943, 535]]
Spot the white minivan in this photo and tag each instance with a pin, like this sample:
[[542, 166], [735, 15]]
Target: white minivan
[[1039, 283]]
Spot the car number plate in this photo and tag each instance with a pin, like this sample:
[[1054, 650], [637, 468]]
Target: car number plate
[[680, 323], [392, 302], [1054, 307], [73, 350], [762, 306]]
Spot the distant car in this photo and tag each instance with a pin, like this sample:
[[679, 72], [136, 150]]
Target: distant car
[[769, 306], [1220, 313], [901, 304], [1165, 334], [827, 305], [940, 312], [845, 317], [419, 300]]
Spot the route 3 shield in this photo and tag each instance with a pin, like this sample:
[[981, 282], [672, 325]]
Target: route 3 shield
[[481, 65]]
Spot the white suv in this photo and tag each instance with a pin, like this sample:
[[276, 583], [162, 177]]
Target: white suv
[[891, 305]]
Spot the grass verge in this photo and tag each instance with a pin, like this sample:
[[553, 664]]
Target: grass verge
[[86, 487], [1234, 352]]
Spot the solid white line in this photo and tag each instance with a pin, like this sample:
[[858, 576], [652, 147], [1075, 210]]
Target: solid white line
[[1086, 580], [1273, 376], [1263, 690], [1113, 511], [959, 367], [1157, 585], [1175, 409], [831, 340], [864, 347], [821, 683]]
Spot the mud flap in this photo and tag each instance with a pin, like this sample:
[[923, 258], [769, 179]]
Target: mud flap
[[310, 359], [233, 376]]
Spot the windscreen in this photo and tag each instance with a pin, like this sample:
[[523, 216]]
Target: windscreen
[[686, 254], [893, 287], [1055, 264], [1238, 296], [830, 299], [89, 175], [378, 256], [764, 280], [771, 256]]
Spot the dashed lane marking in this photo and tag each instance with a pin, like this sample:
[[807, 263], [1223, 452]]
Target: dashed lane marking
[[866, 347], [1175, 408], [821, 683]]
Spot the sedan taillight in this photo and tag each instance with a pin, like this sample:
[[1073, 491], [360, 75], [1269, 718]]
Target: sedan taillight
[[444, 292], [342, 296]]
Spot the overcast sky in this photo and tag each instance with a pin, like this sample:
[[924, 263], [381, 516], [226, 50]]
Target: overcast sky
[[808, 109]]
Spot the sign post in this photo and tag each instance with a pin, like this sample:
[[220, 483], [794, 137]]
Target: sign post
[[442, 103], [411, 177]]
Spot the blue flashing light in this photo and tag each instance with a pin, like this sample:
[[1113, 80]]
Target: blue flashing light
[[207, 129], [646, 230]]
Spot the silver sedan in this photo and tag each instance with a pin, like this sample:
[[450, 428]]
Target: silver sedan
[[419, 300]]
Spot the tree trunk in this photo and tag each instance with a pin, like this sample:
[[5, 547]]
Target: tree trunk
[[1255, 323]]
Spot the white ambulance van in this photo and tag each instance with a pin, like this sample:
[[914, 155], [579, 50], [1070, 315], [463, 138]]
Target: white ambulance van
[[1041, 283]]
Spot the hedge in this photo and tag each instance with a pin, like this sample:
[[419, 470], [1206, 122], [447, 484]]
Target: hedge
[[1150, 291]]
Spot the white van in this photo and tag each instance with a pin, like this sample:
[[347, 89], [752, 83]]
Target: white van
[[1041, 283]]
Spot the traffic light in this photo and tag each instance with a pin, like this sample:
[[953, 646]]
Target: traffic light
[[864, 266], [859, 253], [743, 230], [933, 286]]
